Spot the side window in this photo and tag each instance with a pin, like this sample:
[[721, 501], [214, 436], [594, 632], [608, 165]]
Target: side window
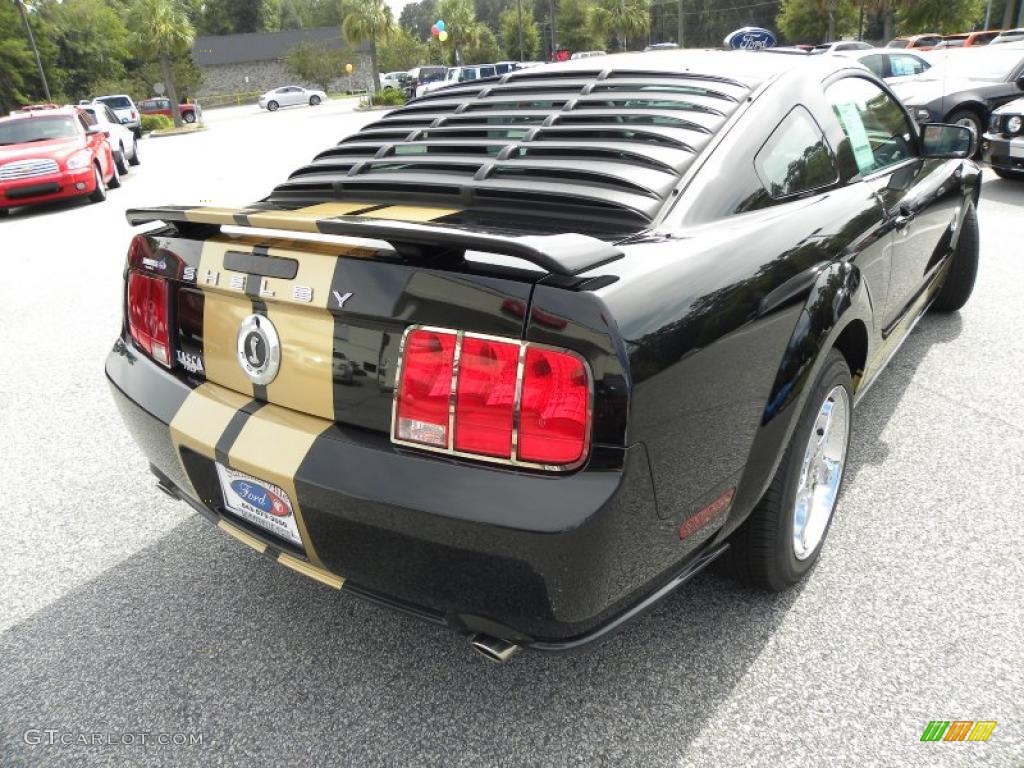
[[86, 119], [796, 158], [878, 133], [876, 63], [901, 64], [111, 117]]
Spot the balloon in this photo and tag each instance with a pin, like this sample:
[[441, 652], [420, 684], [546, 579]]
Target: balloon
[[442, 36], [440, 25], [348, 68], [435, 31]]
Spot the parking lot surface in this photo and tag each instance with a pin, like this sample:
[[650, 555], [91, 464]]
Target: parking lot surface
[[125, 613]]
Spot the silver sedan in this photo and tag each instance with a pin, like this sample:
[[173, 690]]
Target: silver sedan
[[290, 96]]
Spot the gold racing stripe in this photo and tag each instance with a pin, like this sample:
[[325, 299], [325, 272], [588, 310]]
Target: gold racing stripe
[[213, 215], [305, 380], [410, 213], [202, 419], [242, 536], [301, 566], [304, 219], [224, 308], [271, 446]]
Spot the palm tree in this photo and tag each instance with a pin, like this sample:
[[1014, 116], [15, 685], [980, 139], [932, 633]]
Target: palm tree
[[161, 27], [623, 17], [368, 21], [464, 31]]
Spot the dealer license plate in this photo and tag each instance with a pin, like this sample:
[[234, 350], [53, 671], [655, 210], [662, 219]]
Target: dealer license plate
[[263, 504], [1016, 148]]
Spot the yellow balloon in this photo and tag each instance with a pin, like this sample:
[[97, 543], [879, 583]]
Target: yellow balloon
[[348, 68], [442, 36]]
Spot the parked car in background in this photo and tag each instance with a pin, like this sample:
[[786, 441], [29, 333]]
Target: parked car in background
[[125, 110], [662, 47], [456, 75], [190, 113], [969, 84], [890, 64], [53, 154], [841, 45], [122, 140], [420, 76], [968, 39], [923, 42], [504, 67], [394, 81], [1003, 143], [291, 96], [587, 54], [1008, 36]]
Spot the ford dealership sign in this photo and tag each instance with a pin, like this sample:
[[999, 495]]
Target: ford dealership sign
[[750, 38]]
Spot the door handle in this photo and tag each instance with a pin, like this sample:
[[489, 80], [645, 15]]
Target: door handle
[[903, 217]]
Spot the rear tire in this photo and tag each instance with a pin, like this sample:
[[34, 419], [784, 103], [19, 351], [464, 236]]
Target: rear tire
[[120, 162], [99, 194], [959, 284], [189, 117], [314, 101], [1009, 175], [272, 106], [115, 177], [764, 552], [4, 213], [135, 159]]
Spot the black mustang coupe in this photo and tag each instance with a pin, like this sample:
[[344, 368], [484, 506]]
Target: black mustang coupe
[[525, 354]]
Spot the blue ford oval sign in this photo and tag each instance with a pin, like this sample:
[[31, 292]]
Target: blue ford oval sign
[[750, 39]]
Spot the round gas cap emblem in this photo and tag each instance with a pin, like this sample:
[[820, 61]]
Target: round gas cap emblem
[[259, 349]]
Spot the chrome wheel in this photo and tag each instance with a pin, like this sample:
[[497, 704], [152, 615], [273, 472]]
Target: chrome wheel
[[821, 473]]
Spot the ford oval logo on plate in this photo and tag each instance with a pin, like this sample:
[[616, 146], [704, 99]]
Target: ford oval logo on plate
[[260, 497], [750, 39]]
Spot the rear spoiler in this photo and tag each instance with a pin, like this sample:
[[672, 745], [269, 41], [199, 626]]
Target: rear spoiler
[[565, 254]]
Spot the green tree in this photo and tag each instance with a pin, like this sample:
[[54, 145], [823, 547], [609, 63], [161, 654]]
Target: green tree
[[227, 17], [574, 21], [402, 51], [92, 41], [944, 16], [812, 21], [18, 78], [484, 47], [162, 30], [622, 19], [514, 34], [316, 63], [368, 21], [418, 18], [463, 29]]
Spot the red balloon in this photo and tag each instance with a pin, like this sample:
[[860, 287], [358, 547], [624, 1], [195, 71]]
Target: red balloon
[[434, 30]]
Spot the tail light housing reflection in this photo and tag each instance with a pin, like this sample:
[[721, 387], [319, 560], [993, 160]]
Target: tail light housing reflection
[[492, 398]]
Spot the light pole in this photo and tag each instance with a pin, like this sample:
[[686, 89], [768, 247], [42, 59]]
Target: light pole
[[32, 42], [551, 15], [681, 25]]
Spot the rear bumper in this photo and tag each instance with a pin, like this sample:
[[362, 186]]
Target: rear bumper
[[43, 189], [538, 560], [1004, 153]]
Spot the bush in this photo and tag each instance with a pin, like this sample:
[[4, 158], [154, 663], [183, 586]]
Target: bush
[[390, 98], [156, 122]]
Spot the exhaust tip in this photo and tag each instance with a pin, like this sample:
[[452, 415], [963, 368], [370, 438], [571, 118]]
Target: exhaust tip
[[493, 648]]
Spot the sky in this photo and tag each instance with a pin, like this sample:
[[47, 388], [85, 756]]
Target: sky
[[398, 5]]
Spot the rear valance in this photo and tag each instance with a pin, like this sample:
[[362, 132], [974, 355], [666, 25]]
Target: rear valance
[[563, 254]]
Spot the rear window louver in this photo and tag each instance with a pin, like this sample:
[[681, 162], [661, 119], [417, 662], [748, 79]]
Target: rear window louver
[[603, 146]]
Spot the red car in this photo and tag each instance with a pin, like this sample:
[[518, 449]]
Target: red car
[[190, 113], [52, 154]]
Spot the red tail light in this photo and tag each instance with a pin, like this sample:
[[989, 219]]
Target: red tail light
[[148, 305], [458, 393]]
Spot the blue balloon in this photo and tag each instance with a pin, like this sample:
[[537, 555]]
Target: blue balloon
[[440, 25]]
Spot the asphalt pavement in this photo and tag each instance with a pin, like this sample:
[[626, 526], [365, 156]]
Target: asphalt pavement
[[126, 620]]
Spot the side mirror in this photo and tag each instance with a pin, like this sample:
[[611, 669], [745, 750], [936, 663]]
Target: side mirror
[[97, 130], [951, 141], [1020, 82]]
